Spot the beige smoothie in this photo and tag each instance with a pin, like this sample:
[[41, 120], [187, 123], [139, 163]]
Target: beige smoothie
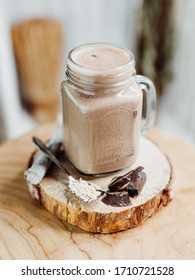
[[104, 58], [102, 107]]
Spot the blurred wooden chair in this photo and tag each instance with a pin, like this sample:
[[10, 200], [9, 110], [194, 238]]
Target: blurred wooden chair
[[37, 45]]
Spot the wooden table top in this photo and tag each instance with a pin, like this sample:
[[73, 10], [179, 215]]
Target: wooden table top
[[30, 232]]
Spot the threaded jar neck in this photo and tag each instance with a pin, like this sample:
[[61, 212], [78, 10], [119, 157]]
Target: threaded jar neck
[[100, 66]]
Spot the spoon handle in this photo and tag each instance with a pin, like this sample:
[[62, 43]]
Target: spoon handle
[[50, 155]]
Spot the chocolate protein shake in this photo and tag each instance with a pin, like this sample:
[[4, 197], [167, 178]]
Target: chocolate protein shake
[[102, 107]]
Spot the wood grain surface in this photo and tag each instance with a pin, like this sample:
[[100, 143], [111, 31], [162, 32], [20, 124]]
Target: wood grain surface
[[30, 232], [98, 217]]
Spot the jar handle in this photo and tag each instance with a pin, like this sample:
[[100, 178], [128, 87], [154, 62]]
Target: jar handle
[[149, 102]]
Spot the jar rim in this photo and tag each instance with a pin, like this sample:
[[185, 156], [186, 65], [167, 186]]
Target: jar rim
[[92, 71]]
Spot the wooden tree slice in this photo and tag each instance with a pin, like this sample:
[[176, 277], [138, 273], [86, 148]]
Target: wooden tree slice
[[53, 194]]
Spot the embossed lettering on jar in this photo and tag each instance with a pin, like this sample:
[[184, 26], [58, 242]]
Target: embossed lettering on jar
[[102, 107]]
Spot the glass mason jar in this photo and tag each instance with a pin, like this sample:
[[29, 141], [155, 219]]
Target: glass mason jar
[[103, 108]]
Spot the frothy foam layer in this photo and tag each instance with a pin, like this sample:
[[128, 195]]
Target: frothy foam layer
[[101, 57]]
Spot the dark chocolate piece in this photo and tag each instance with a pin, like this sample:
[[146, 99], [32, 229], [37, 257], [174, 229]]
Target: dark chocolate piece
[[136, 178], [123, 187], [138, 181], [117, 183], [132, 191], [117, 199]]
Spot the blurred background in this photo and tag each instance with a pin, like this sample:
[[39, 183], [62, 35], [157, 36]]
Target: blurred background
[[36, 36]]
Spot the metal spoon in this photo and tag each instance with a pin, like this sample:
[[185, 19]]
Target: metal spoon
[[85, 190], [50, 155]]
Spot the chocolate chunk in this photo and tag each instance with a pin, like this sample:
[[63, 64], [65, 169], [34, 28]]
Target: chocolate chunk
[[135, 176], [117, 183], [117, 199], [132, 191], [138, 181], [132, 182], [123, 187]]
